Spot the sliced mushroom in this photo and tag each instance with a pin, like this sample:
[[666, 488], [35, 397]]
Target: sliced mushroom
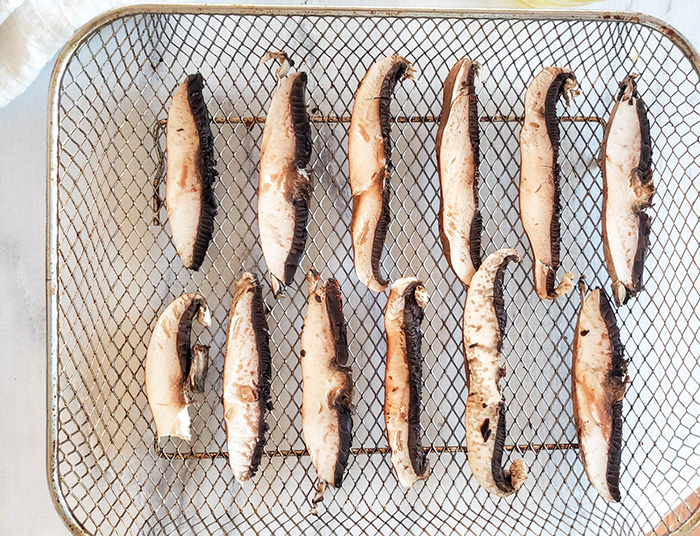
[[540, 206], [172, 367], [247, 376], [484, 328], [369, 158], [403, 382], [327, 383], [627, 191], [284, 189], [598, 383], [189, 189], [458, 164]]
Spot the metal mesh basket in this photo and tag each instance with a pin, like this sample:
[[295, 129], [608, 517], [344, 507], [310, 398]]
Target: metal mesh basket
[[112, 269]]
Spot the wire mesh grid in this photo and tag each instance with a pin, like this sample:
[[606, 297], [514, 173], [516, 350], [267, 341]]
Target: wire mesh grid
[[113, 269]]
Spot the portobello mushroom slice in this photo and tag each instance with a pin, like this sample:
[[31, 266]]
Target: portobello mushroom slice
[[458, 165], [627, 191], [540, 206], [403, 382], [485, 421], [369, 158], [189, 188], [173, 368], [247, 376], [284, 189], [598, 383], [327, 383]]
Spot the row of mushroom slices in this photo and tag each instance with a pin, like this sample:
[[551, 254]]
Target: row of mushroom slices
[[284, 188], [284, 192], [625, 162], [598, 384], [175, 370], [599, 371]]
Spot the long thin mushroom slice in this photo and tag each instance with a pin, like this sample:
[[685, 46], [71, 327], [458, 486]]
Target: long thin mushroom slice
[[458, 165], [484, 328], [189, 189], [327, 383], [627, 191], [247, 376], [173, 367], [369, 158], [598, 383], [540, 204], [403, 381], [284, 188]]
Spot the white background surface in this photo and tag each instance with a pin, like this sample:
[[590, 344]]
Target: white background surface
[[25, 504]]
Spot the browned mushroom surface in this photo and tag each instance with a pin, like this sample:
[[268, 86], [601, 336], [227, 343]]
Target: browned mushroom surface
[[458, 165], [485, 417], [540, 204], [284, 189], [403, 380], [327, 383], [369, 157], [173, 367], [247, 376], [627, 191], [598, 383], [189, 189]]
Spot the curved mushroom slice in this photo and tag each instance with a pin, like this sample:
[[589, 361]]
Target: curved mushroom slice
[[598, 378], [484, 326], [327, 382], [539, 176], [172, 367], [247, 375], [458, 165], [369, 158], [403, 382], [284, 189], [627, 190], [189, 189]]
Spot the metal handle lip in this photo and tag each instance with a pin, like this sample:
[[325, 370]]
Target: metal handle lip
[[689, 525], [494, 13], [58, 498]]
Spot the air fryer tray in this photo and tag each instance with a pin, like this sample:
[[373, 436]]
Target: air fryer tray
[[112, 269]]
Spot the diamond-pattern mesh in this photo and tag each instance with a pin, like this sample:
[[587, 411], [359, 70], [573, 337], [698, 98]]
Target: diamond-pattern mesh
[[116, 269]]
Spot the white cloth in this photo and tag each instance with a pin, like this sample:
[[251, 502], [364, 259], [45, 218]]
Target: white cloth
[[31, 33], [7, 7]]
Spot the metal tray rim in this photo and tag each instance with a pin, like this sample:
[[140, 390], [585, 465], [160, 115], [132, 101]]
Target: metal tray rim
[[82, 34]]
